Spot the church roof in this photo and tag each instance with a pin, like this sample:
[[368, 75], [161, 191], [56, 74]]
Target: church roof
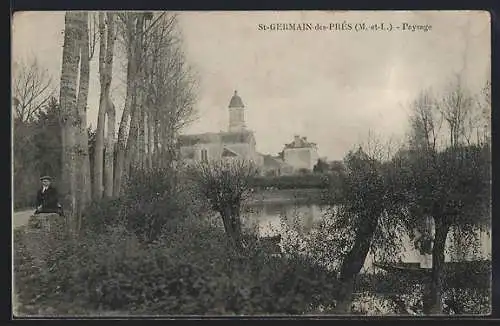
[[190, 140], [236, 101], [270, 161], [244, 136], [228, 153]]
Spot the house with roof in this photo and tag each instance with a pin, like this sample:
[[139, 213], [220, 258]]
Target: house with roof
[[301, 154], [238, 142]]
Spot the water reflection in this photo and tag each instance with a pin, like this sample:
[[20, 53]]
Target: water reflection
[[266, 219]]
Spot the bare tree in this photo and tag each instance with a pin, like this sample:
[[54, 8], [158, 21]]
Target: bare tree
[[74, 23], [160, 93], [107, 38], [224, 184], [449, 185], [456, 107], [361, 204], [110, 112], [131, 152], [87, 46], [483, 126], [172, 90], [32, 89], [426, 121], [130, 27]]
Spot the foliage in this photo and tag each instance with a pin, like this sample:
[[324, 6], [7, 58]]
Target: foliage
[[387, 293], [318, 243], [152, 200], [189, 271], [224, 184], [37, 151], [452, 185], [101, 214], [336, 167], [320, 166], [222, 181], [362, 204], [363, 184], [467, 301]]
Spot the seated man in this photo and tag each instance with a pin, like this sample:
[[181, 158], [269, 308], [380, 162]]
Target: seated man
[[47, 197]]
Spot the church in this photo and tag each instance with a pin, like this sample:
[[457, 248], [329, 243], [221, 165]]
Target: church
[[238, 142]]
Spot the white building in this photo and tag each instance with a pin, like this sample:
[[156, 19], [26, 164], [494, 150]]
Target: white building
[[301, 154], [237, 143]]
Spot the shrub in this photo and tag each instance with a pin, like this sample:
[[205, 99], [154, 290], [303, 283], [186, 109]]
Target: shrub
[[224, 185], [466, 284], [152, 200], [101, 214], [189, 271]]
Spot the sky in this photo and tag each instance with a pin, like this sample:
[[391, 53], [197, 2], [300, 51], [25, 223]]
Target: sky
[[333, 86]]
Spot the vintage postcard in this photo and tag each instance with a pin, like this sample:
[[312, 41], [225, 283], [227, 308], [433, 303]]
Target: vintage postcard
[[251, 163]]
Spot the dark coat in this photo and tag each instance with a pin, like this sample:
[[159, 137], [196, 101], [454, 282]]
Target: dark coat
[[48, 200]]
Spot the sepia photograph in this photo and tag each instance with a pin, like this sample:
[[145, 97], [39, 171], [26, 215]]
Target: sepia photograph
[[251, 163]]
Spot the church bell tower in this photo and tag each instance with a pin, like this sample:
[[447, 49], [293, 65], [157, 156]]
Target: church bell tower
[[236, 114]]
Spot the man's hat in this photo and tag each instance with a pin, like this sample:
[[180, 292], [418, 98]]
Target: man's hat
[[46, 177]]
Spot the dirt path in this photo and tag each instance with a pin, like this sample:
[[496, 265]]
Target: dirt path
[[21, 218]]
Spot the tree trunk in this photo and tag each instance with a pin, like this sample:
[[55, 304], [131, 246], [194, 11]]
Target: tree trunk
[[130, 153], [84, 183], [122, 130], [145, 140], [105, 72], [141, 140], [232, 226], [161, 145], [168, 144], [69, 114], [156, 144], [236, 220], [110, 109], [344, 301], [151, 145], [99, 142], [433, 302], [126, 143], [354, 261], [109, 154], [136, 134], [227, 224]]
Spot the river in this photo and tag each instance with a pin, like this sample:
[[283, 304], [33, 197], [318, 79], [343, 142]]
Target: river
[[267, 218]]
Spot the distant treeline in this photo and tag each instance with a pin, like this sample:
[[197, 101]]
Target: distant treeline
[[37, 152], [304, 181]]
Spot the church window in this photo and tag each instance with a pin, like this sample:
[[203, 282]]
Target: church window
[[204, 155]]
